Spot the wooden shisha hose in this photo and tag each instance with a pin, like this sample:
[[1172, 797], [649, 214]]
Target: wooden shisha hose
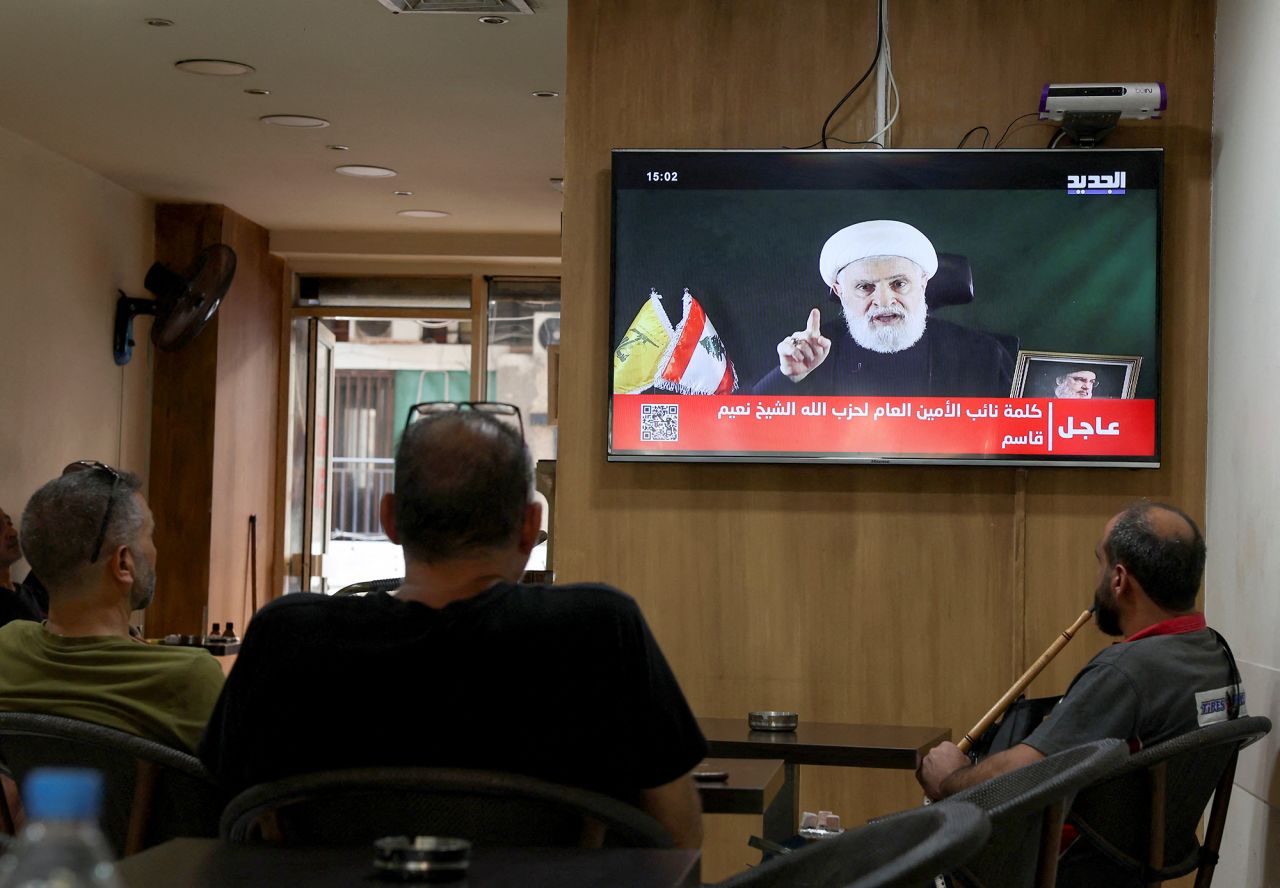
[[1021, 684]]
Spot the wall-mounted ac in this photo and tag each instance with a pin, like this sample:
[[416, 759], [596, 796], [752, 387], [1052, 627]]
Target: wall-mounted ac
[[380, 330], [546, 331]]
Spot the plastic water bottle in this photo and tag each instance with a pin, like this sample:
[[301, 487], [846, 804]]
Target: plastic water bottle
[[61, 845]]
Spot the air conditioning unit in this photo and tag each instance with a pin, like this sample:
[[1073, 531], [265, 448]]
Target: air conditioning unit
[[546, 332], [381, 330]]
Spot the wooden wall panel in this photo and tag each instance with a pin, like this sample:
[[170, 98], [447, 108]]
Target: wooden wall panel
[[213, 430], [244, 468], [182, 435], [860, 593]]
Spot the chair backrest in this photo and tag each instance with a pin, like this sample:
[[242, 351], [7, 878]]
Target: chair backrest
[[903, 851], [359, 805], [1141, 816], [364, 587], [1027, 808], [152, 792]]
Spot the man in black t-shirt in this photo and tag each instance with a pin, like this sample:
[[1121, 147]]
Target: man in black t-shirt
[[463, 666]]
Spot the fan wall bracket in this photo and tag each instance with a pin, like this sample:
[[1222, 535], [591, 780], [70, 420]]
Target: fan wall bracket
[[127, 308]]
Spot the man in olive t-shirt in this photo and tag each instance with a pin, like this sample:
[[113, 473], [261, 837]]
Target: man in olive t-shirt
[[89, 535]]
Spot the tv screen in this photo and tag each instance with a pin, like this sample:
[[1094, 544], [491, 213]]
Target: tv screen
[[886, 306]]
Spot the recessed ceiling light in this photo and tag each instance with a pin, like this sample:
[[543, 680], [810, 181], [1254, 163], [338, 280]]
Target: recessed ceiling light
[[213, 67], [363, 171], [159, 22], [558, 184], [545, 93], [258, 92], [295, 120], [422, 214], [403, 193], [338, 147], [493, 20]]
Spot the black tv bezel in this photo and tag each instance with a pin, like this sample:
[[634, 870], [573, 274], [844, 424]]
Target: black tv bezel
[[1086, 160]]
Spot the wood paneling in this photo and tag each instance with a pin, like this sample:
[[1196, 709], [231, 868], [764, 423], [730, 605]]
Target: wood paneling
[[244, 466], [909, 595], [213, 430], [182, 439]]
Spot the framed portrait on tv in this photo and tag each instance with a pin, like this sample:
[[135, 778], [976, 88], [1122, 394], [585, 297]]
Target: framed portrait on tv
[[1040, 374]]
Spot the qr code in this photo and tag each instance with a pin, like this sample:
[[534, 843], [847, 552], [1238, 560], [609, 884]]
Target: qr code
[[659, 422]]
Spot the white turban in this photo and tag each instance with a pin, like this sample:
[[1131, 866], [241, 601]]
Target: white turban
[[879, 237]]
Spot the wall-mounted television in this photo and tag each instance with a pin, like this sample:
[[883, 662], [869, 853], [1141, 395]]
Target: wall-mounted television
[[975, 307]]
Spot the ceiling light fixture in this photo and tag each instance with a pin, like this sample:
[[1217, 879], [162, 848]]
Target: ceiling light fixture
[[545, 93], [403, 193], [363, 171], [258, 92], [213, 67], [423, 214], [558, 184], [159, 22], [338, 147], [493, 20], [297, 121]]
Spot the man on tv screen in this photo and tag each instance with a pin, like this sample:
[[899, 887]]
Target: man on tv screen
[[1076, 384], [887, 344]]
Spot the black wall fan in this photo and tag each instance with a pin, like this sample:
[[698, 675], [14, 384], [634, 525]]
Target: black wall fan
[[184, 303]]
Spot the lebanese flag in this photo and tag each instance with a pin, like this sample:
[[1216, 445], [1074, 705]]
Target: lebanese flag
[[696, 362]]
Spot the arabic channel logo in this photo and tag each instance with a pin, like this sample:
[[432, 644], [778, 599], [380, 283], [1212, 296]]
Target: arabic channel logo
[[1104, 184]]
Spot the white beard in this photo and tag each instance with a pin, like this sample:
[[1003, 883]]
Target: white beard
[[888, 338], [1064, 391]]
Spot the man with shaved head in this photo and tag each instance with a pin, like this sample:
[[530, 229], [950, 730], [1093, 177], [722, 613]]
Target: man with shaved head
[[884, 342], [1171, 674], [464, 666]]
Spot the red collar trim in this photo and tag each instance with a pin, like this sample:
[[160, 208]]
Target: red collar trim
[[1177, 626]]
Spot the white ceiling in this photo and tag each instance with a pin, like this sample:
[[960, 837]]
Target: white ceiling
[[442, 99]]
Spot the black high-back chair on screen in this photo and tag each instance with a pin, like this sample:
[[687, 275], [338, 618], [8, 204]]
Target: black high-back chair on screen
[[1138, 823], [151, 792], [1027, 808], [359, 805], [903, 851]]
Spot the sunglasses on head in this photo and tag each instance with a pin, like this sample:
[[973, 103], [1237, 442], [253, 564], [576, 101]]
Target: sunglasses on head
[[508, 413], [92, 465]]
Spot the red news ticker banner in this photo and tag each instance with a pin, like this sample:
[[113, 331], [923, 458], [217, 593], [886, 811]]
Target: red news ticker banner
[[737, 424]]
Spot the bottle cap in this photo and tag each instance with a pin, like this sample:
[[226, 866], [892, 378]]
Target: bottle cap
[[63, 794]]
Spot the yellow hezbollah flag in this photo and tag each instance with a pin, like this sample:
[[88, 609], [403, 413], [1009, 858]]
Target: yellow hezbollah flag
[[639, 356]]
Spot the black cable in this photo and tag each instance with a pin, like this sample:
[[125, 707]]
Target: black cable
[[965, 137], [833, 139], [875, 60], [1006, 132]]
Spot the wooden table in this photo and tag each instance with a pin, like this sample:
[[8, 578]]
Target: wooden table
[[818, 743], [754, 787], [210, 863]]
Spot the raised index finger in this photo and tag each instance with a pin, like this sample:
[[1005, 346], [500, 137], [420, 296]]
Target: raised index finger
[[813, 328]]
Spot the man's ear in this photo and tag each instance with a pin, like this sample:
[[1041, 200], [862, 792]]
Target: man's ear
[[387, 514], [532, 525], [120, 564], [1122, 582]]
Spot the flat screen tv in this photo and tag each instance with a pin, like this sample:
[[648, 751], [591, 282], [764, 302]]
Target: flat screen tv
[[977, 307]]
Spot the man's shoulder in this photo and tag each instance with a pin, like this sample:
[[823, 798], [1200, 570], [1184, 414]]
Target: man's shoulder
[[582, 598]]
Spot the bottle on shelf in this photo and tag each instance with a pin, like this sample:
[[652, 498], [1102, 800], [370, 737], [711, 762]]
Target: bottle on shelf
[[230, 636], [215, 634], [61, 843]]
